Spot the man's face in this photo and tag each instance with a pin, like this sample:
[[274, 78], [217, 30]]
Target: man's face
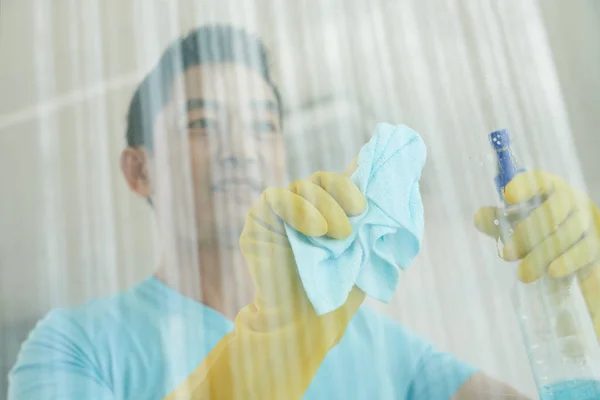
[[217, 146]]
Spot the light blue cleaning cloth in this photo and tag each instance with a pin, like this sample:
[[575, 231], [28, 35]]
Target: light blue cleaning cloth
[[384, 239]]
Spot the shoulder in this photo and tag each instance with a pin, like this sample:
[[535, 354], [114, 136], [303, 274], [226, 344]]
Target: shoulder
[[95, 316], [409, 357], [70, 344], [83, 323], [68, 335]]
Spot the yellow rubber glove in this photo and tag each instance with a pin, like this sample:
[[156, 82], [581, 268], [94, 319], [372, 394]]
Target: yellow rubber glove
[[560, 236], [279, 342]]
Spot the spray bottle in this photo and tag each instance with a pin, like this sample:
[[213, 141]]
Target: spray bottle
[[556, 327]]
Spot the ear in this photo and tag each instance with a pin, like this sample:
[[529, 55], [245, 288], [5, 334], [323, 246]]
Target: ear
[[134, 165]]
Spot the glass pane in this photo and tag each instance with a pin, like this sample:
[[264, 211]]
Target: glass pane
[[141, 145]]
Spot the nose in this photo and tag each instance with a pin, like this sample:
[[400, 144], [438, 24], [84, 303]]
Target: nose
[[236, 162], [237, 149]]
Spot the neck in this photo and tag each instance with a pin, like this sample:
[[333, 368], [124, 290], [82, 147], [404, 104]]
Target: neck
[[215, 277]]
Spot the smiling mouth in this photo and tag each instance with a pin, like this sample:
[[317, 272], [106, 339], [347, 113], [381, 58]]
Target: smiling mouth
[[229, 184]]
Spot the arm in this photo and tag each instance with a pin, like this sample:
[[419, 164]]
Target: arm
[[272, 363], [279, 342], [480, 386]]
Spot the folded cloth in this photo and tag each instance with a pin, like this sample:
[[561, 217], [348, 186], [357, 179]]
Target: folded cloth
[[385, 238]]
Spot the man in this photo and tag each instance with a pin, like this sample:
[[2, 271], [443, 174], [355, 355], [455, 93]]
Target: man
[[204, 140]]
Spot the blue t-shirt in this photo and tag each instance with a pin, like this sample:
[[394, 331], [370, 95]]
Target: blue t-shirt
[[142, 343]]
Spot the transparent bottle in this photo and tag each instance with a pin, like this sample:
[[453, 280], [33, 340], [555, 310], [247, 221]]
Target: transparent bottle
[[556, 327]]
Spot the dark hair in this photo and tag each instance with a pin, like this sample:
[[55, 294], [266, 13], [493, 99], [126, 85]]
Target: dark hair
[[204, 45]]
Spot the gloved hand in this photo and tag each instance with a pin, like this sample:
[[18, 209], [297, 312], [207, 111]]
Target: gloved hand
[[561, 236], [279, 342], [317, 206]]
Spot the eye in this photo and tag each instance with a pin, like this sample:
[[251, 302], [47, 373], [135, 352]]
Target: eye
[[264, 127], [204, 124]]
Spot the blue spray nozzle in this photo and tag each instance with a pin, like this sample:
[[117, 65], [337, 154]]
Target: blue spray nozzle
[[500, 139], [507, 165]]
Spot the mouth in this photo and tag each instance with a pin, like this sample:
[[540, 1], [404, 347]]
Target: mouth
[[226, 185]]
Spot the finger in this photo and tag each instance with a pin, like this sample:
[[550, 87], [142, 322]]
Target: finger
[[338, 224], [296, 211], [261, 213], [541, 223], [261, 243], [527, 185], [543, 255], [352, 167], [266, 255], [584, 252], [257, 231], [343, 191], [486, 221]]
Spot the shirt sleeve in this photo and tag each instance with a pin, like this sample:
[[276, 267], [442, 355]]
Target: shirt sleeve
[[438, 376], [56, 362]]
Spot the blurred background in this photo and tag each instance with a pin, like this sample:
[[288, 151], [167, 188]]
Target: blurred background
[[454, 70]]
